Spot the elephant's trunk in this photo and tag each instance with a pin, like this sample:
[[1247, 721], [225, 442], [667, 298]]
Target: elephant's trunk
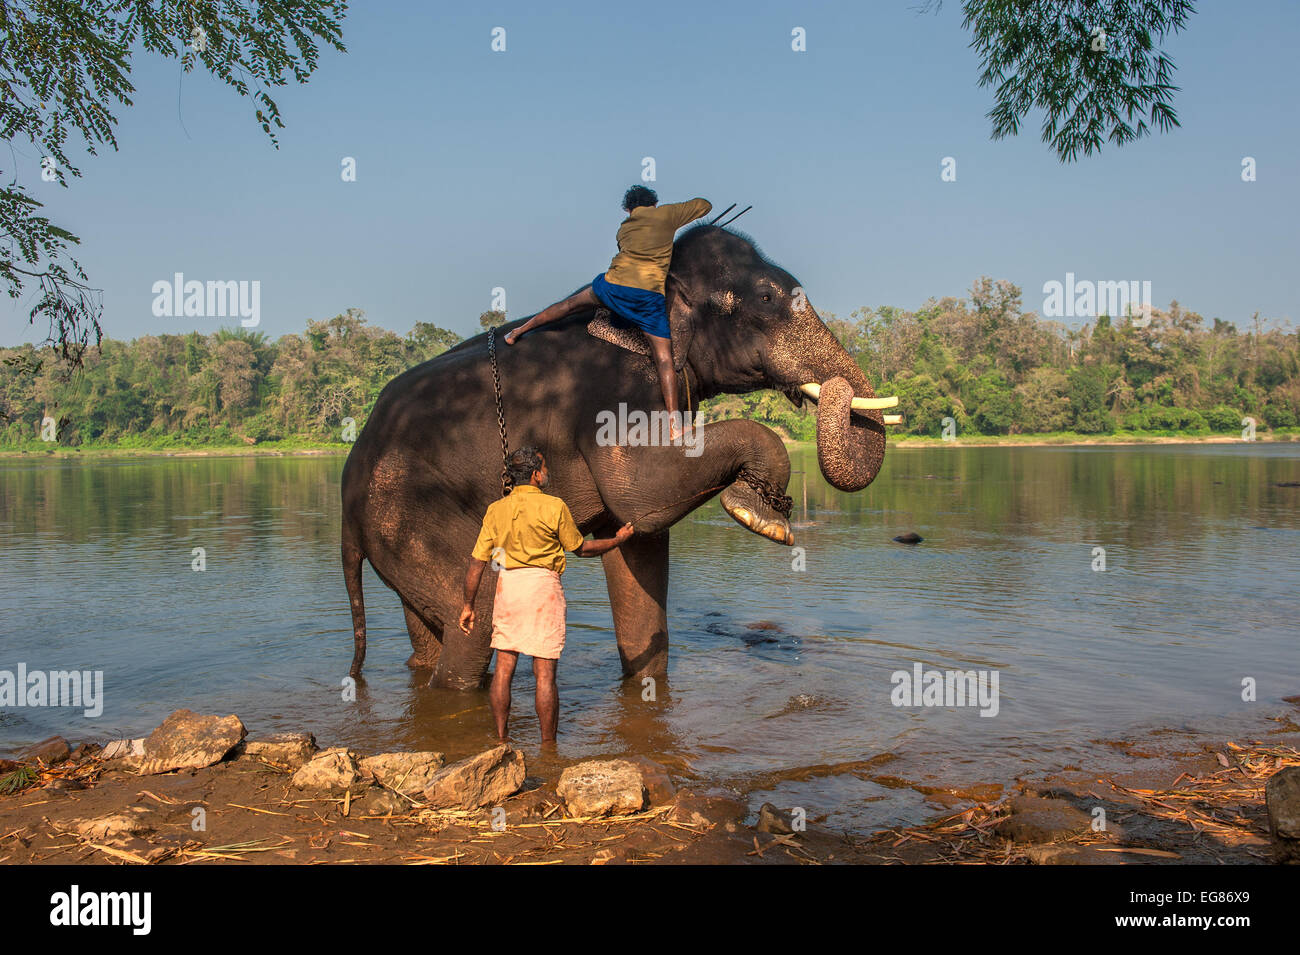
[[850, 441]]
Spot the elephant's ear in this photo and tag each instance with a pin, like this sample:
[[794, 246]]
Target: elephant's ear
[[681, 319]]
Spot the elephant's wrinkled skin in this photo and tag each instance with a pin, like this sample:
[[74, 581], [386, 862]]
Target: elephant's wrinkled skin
[[428, 462]]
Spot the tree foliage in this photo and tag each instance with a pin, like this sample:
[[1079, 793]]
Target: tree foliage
[[65, 68], [995, 369], [225, 388], [1093, 67]]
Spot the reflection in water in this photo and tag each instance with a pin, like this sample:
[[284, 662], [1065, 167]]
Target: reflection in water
[[1202, 567]]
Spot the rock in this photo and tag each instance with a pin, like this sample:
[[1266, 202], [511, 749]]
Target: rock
[[123, 749], [287, 751], [85, 751], [408, 773], [1282, 796], [911, 537], [380, 802], [483, 780], [1076, 855], [1035, 819], [773, 820], [49, 751], [187, 740], [602, 787], [115, 827], [331, 770], [8, 766], [659, 788]]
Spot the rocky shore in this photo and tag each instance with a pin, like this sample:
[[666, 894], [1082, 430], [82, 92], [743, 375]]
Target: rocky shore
[[198, 789]]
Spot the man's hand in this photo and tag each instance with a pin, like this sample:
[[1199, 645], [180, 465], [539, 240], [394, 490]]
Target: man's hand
[[467, 618], [595, 548]]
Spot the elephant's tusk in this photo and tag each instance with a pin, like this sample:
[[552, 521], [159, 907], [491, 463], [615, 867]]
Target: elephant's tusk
[[892, 418], [814, 391]]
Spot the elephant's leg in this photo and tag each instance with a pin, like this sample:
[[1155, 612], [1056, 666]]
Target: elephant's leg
[[636, 575], [463, 662], [426, 640], [654, 487]]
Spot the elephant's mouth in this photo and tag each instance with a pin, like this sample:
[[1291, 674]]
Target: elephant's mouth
[[850, 429]]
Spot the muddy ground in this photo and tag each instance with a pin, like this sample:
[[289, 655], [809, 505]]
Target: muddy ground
[[1200, 802]]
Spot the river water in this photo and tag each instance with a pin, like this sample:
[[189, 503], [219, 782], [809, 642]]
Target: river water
[[782, 668]]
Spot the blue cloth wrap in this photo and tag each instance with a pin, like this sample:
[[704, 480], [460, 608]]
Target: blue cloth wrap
[[641, 307]]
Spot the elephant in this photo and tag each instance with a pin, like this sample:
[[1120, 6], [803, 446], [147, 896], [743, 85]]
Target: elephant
[[429, 460]]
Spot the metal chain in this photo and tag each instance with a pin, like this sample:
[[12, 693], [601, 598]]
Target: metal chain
[[501, 412], [770, 494]]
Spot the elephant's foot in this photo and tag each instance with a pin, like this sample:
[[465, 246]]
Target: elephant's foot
[[756, 510]]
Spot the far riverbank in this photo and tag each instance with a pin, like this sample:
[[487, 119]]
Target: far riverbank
[[36, 451]]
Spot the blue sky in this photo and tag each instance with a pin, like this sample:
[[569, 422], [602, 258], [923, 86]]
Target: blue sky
[[478, 169]]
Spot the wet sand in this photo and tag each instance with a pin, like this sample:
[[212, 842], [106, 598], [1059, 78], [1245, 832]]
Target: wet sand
[[1167, 799]]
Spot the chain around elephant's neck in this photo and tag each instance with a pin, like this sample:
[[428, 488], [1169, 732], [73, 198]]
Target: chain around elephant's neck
[[501, 412]]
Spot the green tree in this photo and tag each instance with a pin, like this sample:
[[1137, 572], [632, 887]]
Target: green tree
[[65, 67], [1094, 67]]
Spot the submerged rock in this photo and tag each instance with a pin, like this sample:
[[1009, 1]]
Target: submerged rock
[[187, 740], [773, 820], [1035, 819], [603, 787], [482, 780], [49, 751], [911, 537], [1282, 797], [659, 788]]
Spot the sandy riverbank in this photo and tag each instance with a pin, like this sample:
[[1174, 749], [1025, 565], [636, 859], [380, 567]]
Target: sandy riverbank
[[1164, 800]]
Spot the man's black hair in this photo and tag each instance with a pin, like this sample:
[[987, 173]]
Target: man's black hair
[[522, 463], [639, 196]]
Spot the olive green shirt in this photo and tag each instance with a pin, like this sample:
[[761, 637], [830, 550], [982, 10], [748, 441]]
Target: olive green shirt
[[645, 243], [531, 528]]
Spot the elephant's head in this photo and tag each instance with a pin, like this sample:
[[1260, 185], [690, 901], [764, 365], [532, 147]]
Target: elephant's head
[[744, 323]]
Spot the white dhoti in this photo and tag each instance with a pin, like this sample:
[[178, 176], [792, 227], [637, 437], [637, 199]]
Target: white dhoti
[[528, 612]]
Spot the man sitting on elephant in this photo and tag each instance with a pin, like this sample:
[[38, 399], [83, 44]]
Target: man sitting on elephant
[[633, 286], [525, 534]]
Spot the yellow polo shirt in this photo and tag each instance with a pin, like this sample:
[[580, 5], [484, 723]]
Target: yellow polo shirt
[[534, 530], [645, 243]]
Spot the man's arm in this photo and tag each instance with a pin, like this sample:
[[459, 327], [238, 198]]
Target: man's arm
[[681, 213], [594, 548], [570, 538], [472, 577]]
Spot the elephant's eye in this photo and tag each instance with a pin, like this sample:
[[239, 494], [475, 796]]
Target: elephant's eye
[[767, 298]]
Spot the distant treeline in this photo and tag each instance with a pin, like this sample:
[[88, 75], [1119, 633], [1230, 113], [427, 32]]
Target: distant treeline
[[990, 367]]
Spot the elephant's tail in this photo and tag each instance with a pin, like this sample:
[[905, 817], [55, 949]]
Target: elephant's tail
[[353, 555]]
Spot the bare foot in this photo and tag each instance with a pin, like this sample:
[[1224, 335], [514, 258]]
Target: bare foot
[[511, 336]]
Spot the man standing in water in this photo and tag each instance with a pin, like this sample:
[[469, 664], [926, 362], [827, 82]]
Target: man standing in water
[[525, 535]]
